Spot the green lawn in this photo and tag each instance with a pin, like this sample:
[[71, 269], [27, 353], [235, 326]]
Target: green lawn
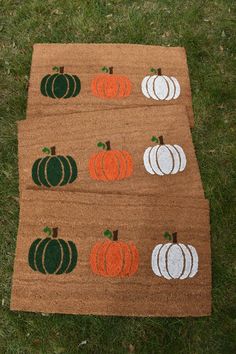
[[205, 28]]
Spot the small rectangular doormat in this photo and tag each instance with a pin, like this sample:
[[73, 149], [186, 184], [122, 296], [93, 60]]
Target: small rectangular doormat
[[112, 255], [143, 150], [70, 78]]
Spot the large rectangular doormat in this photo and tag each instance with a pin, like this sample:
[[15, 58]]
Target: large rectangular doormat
[[70, 78], [112, 255], [145, 150]]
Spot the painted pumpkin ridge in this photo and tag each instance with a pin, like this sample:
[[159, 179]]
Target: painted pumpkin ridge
[[108, 148], [174, 241], [161, 142], [191, 268], [53, 153], [114, 238], [33, 249], [54, 236]]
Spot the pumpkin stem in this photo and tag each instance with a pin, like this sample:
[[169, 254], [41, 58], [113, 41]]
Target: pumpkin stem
[[54, 232], [161, 140], [115, 235], [53, 150], [61, 69], [159, 71], [174, 237], [111, 70], [108, 144]]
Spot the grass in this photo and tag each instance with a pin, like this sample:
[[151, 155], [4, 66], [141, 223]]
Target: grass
[[205, 28]]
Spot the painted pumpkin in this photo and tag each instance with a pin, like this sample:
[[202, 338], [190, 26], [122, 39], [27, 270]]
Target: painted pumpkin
[[164, 159], [174, 260], [110, 86], [160, 87], [60, 85], [54, 170], [110, 165], [52, 255], [114, 258]]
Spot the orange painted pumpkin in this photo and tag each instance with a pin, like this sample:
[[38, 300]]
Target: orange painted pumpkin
[[110, 165], [114, 258], [110, 86]]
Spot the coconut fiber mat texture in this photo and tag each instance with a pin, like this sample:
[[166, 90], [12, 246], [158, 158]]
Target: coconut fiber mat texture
[[69, 78], [113, 218], [131, 150], [108, 254]]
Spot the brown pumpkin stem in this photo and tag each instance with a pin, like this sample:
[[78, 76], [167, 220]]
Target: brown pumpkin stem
[[108, 144], [110, 70], [159, 71], [115, 235], [61, 69], [53, 150], [174, 237], [54, 232], [161, 140]]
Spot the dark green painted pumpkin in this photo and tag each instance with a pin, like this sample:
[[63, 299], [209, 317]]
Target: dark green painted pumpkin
[[54, 170], [60, 85], [52, 255]]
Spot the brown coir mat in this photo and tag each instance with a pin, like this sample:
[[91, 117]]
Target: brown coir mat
[[112, 255], [143, 150], [70, 78]]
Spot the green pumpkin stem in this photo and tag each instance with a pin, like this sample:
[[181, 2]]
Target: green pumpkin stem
[[174, 237], [108, 145], [61, 70], [53, 150], [159, 71], [115, 235], [161, 140], [54, 232]]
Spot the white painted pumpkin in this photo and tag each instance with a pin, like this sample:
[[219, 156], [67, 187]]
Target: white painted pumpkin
[[164, 159], [160, 87], [175, 260]]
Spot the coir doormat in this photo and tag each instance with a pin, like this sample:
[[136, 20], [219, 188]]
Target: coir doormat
[[112, 255], [138, 150], [70, 78]]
